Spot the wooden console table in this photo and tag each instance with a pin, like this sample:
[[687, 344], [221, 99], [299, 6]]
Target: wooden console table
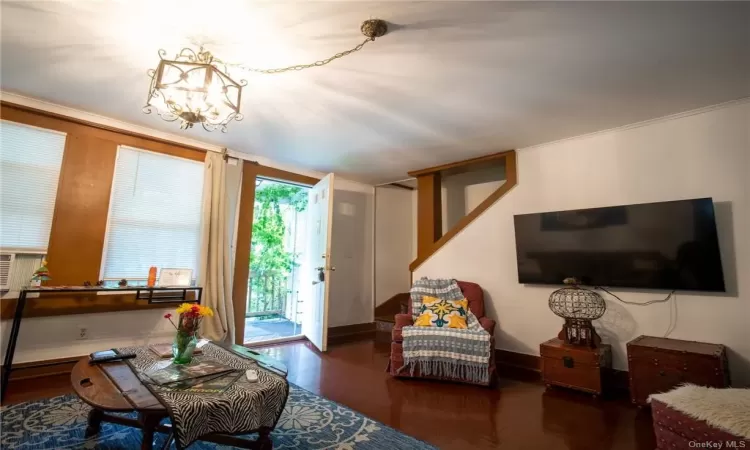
[[176, 294]]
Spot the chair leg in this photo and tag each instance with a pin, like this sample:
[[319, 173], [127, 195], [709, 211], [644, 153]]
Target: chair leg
[[264, 441], [168, 441], [149, 422], [94, 422]]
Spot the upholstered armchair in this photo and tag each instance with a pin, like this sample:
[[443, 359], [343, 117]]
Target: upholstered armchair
[[474, 294]]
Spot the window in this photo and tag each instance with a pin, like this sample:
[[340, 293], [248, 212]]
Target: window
[[30, 161], [154, 215]]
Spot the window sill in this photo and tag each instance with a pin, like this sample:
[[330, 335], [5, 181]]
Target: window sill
[[86, 303]]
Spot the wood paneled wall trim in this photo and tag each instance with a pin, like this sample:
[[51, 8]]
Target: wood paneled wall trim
[[8, 108], [242, 249], [79, 221], [402, 186], [283, 175], [82, 204], [511, 178], [351, 333], [45, 368], [250, 172], [429, 215], [462, 166]]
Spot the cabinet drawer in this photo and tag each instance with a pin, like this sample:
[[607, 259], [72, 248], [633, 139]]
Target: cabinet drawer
[[585, 356], [685, 362], [649, 380], [581, 376]]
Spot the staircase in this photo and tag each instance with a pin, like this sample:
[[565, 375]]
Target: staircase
[[385, 315]]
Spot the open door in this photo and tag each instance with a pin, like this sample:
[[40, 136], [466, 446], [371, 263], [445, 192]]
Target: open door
[[318, 265]]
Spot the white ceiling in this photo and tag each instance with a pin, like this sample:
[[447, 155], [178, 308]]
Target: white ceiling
[[451, 80]]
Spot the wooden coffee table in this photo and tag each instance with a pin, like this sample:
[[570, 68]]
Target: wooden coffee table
[[114, 387]]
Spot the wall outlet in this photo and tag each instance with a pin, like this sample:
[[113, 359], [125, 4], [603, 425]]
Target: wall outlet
[[83, 333]]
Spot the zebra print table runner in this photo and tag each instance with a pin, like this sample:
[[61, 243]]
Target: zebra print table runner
[[243, 408]]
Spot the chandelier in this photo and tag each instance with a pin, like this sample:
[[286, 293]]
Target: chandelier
[[195, 87]]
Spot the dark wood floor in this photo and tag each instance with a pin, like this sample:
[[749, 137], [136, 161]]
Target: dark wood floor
[[517, 414]]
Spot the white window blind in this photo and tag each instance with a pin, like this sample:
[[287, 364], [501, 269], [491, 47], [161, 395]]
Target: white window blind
[[155, 214], [30, 161]]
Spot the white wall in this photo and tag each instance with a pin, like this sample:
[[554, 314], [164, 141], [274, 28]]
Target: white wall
[[44, 338], [704, 154], [351, 296], [394, 231], [463, 192]]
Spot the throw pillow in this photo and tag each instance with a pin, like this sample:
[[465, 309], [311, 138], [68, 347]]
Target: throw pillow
[[442, 313]]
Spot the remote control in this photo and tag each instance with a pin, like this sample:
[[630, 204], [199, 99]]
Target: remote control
[[109, 356], [251, 375]]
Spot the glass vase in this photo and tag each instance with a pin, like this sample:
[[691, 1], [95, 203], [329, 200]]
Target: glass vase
[[183, 347]]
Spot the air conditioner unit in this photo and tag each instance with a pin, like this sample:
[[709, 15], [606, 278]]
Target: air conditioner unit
[[6, 262]]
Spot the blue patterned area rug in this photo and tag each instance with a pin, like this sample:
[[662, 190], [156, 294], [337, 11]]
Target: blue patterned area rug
[[308, 422]]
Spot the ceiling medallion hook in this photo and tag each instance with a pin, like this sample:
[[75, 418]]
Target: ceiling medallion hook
[[374, 28]]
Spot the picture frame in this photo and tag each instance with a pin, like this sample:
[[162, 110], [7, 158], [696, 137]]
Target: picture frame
[[169, 277]]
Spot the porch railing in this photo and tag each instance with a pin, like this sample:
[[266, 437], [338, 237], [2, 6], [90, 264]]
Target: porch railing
[[267, 294]]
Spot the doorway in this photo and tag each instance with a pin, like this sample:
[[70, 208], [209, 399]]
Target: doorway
[[274, 306]]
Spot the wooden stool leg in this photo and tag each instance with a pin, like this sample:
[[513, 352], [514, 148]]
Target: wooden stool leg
[[264, 441], [149, 422], [94, 422]]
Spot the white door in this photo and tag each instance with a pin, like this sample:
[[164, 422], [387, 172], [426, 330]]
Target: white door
[[318, 265]]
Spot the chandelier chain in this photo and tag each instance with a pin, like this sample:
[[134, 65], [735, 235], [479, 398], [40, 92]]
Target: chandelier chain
[[319, 63]]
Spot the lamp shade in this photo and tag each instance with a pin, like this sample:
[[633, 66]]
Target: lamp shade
[[575, 302], [192, 88]]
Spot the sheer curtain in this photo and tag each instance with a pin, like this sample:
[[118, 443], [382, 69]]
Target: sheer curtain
[[215, 270]]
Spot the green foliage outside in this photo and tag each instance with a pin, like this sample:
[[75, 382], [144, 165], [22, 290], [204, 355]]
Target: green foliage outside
[[270, 263]]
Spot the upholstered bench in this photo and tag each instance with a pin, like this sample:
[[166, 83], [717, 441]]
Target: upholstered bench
[[690, 415]]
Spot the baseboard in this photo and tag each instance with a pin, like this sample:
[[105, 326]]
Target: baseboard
[[43, 368], [57, 366], [532, 365], [351, 333], [518, 360]]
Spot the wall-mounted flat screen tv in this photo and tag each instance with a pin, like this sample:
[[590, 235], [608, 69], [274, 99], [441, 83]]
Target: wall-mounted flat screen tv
[[666, 245]]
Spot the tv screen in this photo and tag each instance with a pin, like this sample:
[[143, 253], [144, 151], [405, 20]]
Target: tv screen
[[665, 245]]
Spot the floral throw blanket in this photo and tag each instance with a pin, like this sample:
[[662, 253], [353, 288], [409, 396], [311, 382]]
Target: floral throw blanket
[[445, 352]]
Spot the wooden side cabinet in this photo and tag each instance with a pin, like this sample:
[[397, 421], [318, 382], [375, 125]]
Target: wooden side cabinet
[[660, 364], [575, 367]]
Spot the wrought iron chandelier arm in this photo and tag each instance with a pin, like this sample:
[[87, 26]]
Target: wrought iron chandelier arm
[[193, 88], [318, 63]]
